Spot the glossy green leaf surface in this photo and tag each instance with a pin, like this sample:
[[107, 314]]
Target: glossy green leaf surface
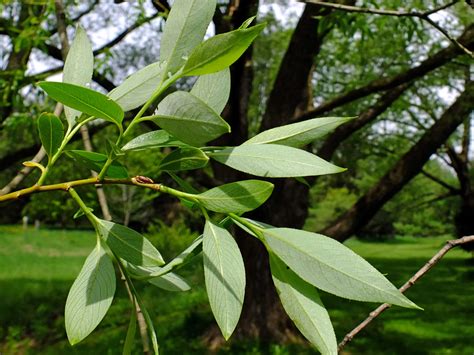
[[51, 132], [299, 134], [138, 87], [213, 89], [90, 296], [332, 267], [185, 28], [189, 119], [236, 197], [188, 158], [95, 161], [303, 305], [219, 52], [78, 68], [129, 244], [273, 160], [84, 100], [224, 274], [150, 140], [170, 282]]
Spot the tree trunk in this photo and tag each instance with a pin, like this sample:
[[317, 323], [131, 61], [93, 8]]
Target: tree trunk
[[464, 221], [404, 170], [263, 316]]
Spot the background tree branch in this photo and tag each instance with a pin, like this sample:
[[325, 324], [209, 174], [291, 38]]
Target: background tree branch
[[450, 244]]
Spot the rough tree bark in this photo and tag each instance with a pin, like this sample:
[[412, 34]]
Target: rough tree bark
[[404, 170], [460, 162]]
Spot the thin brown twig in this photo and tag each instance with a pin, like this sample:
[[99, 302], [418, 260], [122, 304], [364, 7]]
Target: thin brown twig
[[65, 186], [419, 274], [424, 16]]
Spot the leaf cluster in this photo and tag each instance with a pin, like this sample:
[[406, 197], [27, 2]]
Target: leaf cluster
[[301, 262]]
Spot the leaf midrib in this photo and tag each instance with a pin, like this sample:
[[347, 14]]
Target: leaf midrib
[[289, 136], [321, 262], [221, 269], [297, 299], [180, 35], [263, 157], [140, 83], [201, 196], [93, 107], [222, 123], [144, 253], [219, 54]]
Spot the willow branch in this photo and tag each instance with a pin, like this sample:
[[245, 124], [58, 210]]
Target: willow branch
[[420, 273], [441, 182], [415, 14], [65, 186], [125, 32]]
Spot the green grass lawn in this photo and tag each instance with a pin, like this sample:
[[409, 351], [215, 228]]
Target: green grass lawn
[[38, 267]]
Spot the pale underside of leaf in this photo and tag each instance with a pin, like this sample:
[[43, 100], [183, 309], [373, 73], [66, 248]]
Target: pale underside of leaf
[[78, 67], [185, 28], [273, 160], [240, 196], [298, 134], [138, 87], [332, 267], [302, 303], [90, 296], [225, 277]]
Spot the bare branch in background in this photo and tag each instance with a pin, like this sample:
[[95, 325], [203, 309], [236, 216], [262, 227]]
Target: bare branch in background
[[433, 62], [439, 181], [415, 14], [427, 267]]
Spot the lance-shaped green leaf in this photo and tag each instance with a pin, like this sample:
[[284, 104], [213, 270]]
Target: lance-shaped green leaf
[[170, 282], [154, 139], [182, 259], [84, 100], [299, 134], [224, 274], [185, 28], [247, 23], [332, 267], [90, 296], [188, 158], [273, 160], [129, 244], [189, 119], [219, 52], [236, 197], [303, 305], [95, 161], [78, 67], [138, 87], [51, 132], [213, 89], [131, 331]]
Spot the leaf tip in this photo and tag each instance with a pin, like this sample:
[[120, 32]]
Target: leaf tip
[[73, 341]]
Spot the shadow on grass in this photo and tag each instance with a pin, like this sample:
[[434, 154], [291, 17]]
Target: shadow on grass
[[31, 317]]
